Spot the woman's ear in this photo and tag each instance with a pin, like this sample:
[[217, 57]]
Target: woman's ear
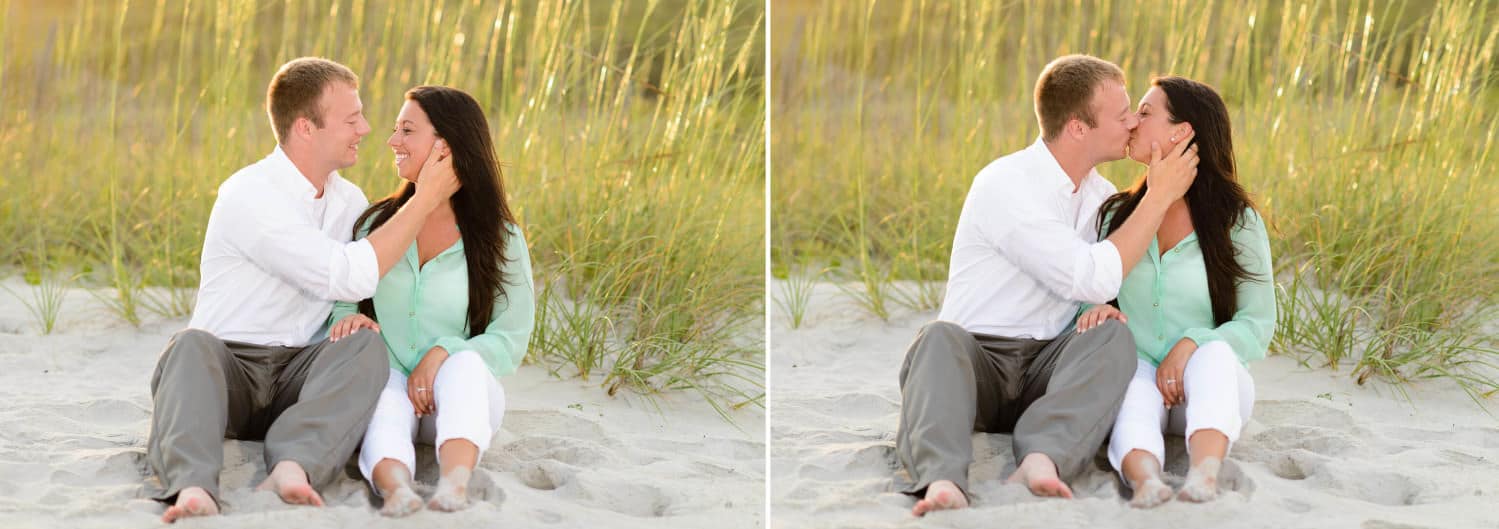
[[1180, 132]]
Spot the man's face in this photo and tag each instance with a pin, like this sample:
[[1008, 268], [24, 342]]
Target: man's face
[[1109, 139], [337, 141]]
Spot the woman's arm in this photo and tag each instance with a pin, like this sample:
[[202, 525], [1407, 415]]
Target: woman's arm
[[1253, 324]]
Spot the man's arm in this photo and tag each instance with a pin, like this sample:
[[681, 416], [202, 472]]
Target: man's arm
[[438, 183], [1167, 181]]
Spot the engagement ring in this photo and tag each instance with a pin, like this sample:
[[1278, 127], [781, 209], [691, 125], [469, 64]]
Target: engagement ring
[[419, 390]]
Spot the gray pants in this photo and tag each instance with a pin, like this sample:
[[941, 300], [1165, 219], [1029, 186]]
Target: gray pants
[[1059, 398], [309, 404]]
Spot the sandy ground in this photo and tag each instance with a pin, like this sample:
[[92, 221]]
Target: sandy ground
[[1320, 451], [75, 415]]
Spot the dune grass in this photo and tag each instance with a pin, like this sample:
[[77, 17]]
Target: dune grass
[[1364, 129], [631, 135]]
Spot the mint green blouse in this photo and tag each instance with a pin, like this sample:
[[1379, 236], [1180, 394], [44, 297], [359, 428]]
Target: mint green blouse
[[1166, 297], [423, 306]]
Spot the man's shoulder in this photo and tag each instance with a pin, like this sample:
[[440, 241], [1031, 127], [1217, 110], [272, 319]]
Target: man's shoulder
[[347, 191], [245, 182], [1006, 178]]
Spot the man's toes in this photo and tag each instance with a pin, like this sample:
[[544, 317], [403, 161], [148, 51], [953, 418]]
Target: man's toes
[[922, 507]]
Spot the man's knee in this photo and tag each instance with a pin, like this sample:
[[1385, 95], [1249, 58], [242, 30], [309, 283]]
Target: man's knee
[[192, 346], [1116, 350], [370, 357], [943, 338]]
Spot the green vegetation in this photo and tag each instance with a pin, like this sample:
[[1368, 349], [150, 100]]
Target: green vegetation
[[1365, 130], [632, 138]]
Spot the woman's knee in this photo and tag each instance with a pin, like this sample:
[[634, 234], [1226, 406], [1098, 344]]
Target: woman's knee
[[464, 367], [1215, 359]]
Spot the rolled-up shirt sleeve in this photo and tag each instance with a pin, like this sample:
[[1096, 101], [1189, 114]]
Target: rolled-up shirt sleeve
[[1052, 252], [303, 256]]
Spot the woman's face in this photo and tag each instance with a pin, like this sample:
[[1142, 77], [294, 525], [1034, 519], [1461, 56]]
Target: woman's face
[[412, 140], [1155, 126]]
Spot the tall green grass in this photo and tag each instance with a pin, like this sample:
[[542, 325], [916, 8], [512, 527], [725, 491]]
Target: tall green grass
[[631, 135], [1365, 130]]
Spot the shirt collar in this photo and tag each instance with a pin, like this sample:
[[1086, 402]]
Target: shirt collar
[[286, 173], [1052, 173]]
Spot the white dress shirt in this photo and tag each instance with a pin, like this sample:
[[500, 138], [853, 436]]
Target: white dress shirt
[[276, 257], [1026, 253]]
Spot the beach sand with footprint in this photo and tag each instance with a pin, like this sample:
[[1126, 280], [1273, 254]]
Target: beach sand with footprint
[[1319, 452], [76, 415]]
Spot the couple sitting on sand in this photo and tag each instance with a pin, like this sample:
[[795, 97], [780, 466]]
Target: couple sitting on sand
[[298, 268], [1073, 310]]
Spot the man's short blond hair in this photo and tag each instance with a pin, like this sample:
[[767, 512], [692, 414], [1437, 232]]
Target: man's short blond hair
[[1065, 91], [295, 90]]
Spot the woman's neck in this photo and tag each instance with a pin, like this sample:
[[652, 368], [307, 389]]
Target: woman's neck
[[443, 213]]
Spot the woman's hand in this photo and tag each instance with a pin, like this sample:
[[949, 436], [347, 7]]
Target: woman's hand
[[1170, 375], [344, 327], [419, 386], [1096, 315]]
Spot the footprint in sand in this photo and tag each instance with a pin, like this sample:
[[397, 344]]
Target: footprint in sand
[[574, 452], [630, 497], [851, 461], [554, 423], [545, 474]]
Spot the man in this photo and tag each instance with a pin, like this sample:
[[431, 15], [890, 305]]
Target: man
[[276, 254], [1001, 357]]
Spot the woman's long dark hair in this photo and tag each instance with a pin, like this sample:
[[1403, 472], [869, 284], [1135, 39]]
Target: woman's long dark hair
[[479, 205], [1216, 201]]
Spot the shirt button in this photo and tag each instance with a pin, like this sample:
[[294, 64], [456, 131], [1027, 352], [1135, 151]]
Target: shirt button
[[412, 313], [1160, 337], [1156, 304]]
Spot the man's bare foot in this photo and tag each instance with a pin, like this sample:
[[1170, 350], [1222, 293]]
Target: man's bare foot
[[191, 501], [940, 495], [1038, 473], [289, 481], [1151, 493], [401, 502], [1202, 481], [452, 491]]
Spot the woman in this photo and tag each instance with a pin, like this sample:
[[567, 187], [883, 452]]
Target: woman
[[1201, 304], [455, 314]]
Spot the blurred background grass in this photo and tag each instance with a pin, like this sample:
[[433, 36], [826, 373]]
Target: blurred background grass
[[631, 136], [1364, 129]]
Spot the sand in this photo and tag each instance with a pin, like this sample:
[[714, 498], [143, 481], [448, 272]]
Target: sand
[[1319, 452], [75, 415]]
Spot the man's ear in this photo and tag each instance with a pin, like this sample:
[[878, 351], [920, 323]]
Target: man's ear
[[302, 127], [1076, 128]]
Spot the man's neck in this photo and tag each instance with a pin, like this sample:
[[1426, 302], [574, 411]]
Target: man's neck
[[1073, 162], [315, 174]]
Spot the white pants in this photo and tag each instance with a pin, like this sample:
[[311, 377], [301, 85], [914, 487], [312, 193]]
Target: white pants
[[469, 402], [1219, 396]]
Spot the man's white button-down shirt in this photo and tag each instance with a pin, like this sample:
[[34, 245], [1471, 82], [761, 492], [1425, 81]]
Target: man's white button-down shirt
[[276, 257], [1026, 253]]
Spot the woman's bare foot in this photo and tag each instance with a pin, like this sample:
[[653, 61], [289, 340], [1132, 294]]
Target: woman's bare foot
[[1038, 473], [452, 491], [1202, 481], [289, 481], [191, 501], [1150, 493], [401, 502], [940, 496]]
